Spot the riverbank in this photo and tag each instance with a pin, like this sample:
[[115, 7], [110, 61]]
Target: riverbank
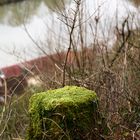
[[4, 2], [112, 72]]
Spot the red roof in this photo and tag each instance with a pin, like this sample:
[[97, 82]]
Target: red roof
[[41, 63], [10, 71]]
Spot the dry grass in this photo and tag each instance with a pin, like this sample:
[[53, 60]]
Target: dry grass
[[113, 73]]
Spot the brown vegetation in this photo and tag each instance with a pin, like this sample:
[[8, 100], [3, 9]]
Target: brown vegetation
[[113, 73]]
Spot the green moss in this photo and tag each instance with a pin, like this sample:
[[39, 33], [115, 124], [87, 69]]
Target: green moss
[[65, 113]]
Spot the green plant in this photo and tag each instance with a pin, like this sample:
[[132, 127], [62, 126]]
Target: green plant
[[69, 113]]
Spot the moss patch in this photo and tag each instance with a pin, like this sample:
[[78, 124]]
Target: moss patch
[[65, 113]]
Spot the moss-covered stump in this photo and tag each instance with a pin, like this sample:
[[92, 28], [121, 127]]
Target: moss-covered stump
[[68, 113]]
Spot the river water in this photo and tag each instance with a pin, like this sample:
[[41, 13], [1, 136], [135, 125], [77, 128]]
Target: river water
[[26, 26]]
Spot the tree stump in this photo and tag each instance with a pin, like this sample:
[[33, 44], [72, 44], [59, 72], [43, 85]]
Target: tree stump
[[69, 113]]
